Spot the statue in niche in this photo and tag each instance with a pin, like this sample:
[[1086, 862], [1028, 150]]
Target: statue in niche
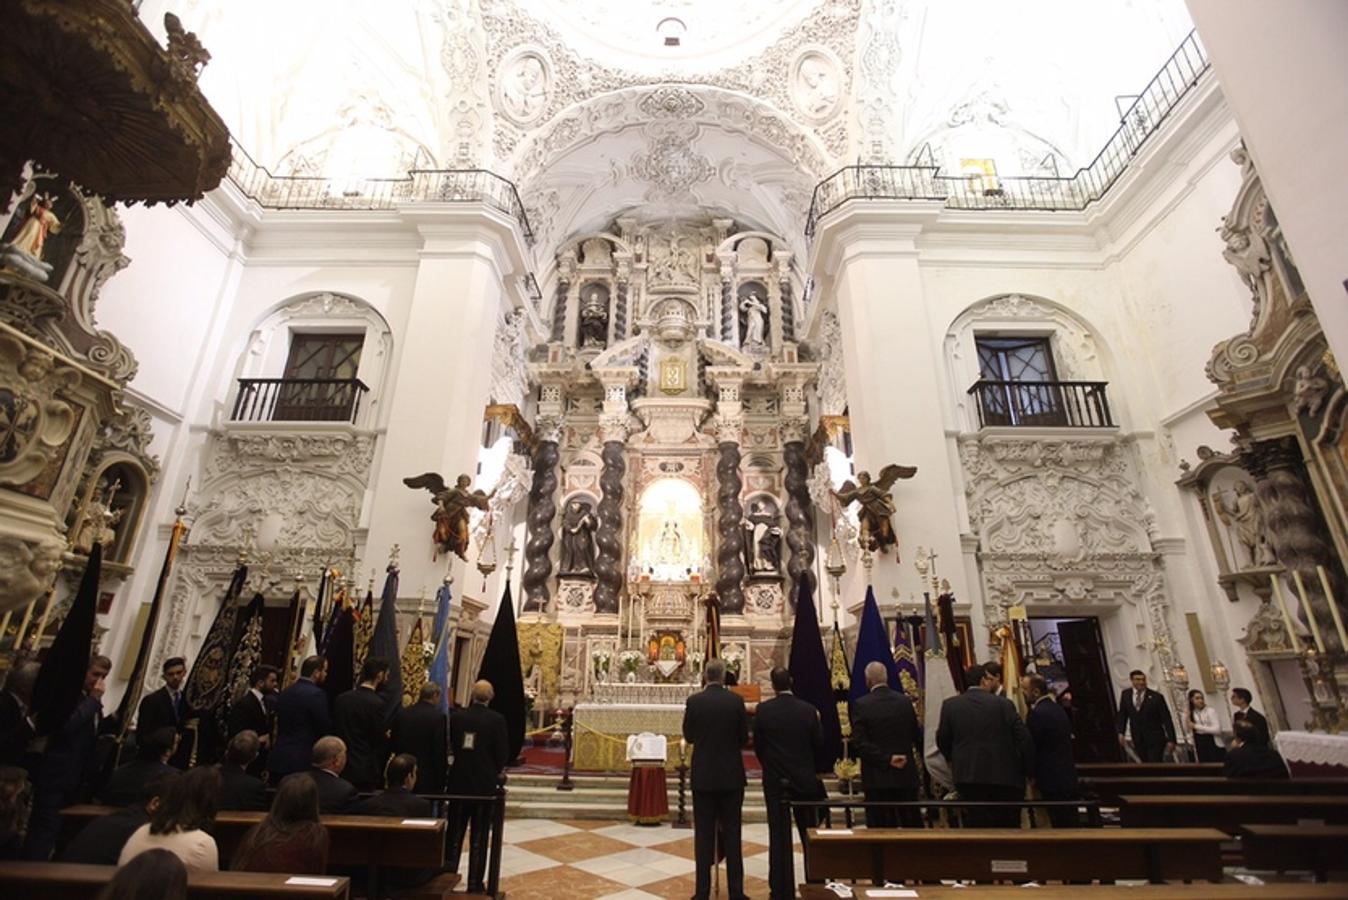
[[763, 540], [1244, 516], [451, 510], [525, 89], [669, 548], [875, 505], [24, 252], [755, 313], [817, 86], [1308, 392], [578, 527], [594, 320], [99, 525]]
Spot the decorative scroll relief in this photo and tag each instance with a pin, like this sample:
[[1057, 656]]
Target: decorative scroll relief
[[816, 83], [524, 84], [509, 369]]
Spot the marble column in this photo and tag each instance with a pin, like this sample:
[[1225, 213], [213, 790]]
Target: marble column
[[799, 510], [542, 510], [559, 311], [608, 537], [729, 526]]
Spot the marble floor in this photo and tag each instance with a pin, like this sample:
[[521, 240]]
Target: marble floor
[[572, 859]]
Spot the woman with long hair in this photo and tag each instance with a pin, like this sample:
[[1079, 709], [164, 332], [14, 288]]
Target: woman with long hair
[[1206, 727], [153, 875], [181, 822], [291, 838]]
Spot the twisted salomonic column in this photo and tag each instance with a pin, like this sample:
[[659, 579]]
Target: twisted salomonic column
[[799, 516], [608, 563], [559, 311], [730, 552], [620, 314], [538, 542]]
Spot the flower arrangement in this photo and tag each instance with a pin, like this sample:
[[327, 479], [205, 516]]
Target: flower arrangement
[[695, 659], [628, 660], [600, 658], [428, 652], [734, 660]]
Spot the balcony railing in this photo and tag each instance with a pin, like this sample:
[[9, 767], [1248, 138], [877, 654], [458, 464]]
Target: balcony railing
[[298, 400], [1139, 122], [424, 185], [1042, 404]]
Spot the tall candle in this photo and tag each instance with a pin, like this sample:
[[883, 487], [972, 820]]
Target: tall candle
[[1310, 613], [1286, 614], [42, 623], [1333, 608]]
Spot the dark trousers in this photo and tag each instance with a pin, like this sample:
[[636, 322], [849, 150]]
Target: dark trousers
[[715, 811], [781, 863], [1150, 747], [1208, 751], [1062, 816], [880, 817], [44, 821], [462, 815], [991, 818]]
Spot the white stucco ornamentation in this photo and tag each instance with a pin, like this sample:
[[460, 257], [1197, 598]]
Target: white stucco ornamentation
[[816, 83], [524, 84], [832, 377], [670, 162], [509, 370]]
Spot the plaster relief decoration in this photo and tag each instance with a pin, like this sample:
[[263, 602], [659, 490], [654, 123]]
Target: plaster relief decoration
[[524, 84], [816, 83], [832, 378], [509, 373], [462, 50], [670, 163]]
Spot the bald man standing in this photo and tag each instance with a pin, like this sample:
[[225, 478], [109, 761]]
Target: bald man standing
[[888, 741], [481, 747]]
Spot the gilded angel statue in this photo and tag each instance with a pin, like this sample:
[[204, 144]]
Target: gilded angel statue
[[451, 510], [876, 505]]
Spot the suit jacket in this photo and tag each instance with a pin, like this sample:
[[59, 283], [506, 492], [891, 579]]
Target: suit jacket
[[1151, 724], [127, 784], [70, 760], [1254, 761], [335, 793], [1055, 768], [358, 718], [984, 739], [481, 747], [239, 790], [301, 718], [1255, 717], [249, 714], [789, 742], [156, 711], [717, 725], [423, 731], [884, 723], [100, 842], [397, 801], [15, 730]]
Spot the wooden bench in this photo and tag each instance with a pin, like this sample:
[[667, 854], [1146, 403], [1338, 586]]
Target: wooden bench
[[1148, 770], [1007, 854], [1286, 848], [71, 881], [1113, 788], [1228, 812], [1295, 891]]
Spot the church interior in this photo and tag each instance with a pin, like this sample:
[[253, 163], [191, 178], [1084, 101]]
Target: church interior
[[659, 337]]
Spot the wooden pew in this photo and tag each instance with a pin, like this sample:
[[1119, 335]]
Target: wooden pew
[[1113, 788], [1008, 854], [70, 881], [1286, 848], [1148, 770], [1293, 891], [1228, 812]]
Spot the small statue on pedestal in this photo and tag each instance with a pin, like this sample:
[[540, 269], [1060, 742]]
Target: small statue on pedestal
[[876, 505], [451, 510], [577, 552], [1245, 518], [100, 520], [763, 541], [24, 253], [594, 321]]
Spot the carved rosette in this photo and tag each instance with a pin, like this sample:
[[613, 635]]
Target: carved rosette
[[799, 517], [538, 544], [608, 540], [730, 552]]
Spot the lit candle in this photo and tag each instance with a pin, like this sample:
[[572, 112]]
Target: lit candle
[[1310, 613], [1286, 614], [1333, 608], [42, 622]]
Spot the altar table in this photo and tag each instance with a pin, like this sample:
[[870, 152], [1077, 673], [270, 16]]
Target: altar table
[[1313, 754], [599, 741]]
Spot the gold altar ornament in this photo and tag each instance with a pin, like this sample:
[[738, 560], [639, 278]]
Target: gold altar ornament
[[673, 375]]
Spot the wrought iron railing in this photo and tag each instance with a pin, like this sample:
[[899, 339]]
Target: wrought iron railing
[[298, 400], [1181, 72], [1042, 404], [425, 185]]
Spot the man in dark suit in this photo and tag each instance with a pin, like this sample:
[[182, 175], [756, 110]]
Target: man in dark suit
[[301, 719], [988, 746], [16, 723], [1241, 699], [100, 842], [422, 731], [481, 747], [168, 708], [153, 751], [1143, 713], [789, 742], [1250, 757], [1055, 770], [238, 789], [717, 725], [335, 793], [358, 718], [398, 799], [253, 712], [888, 741], [61, 776]]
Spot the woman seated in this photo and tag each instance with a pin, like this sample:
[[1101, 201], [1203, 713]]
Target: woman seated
[[290, 839], [181, 822], [153, 875]]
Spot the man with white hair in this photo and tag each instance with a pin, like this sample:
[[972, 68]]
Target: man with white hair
[[481, 748], [335, 793], [716, 723], [888, 741]]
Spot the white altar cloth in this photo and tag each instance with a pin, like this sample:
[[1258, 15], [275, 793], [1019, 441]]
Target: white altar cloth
[[1312, 747]]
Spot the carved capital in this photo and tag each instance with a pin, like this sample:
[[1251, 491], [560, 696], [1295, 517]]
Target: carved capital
[[794, 429]]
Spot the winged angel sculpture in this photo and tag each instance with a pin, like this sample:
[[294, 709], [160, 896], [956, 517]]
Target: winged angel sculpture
[[451, 510], [876, 505]]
